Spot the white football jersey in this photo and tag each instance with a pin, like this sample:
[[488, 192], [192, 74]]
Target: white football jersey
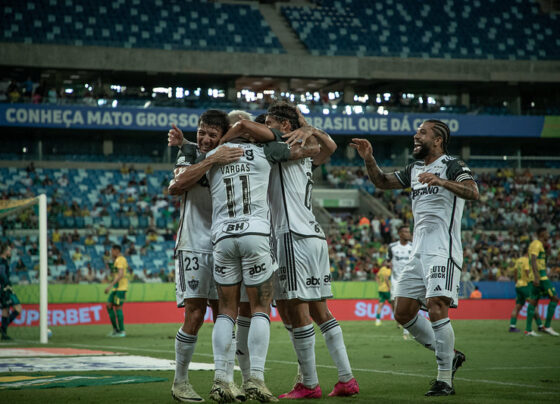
[[239, 194], [291, 200], [437, 212], [196, 208], [399, 255]]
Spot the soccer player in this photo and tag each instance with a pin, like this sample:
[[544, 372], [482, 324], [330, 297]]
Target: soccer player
[[399, 254], [117, 291], [542, 287], [194, 263], [241, 236], [8, 298], [304, 274], [439, 184], [523, 287], [384, 288]]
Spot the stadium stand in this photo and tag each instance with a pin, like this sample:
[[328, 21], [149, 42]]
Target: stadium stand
[[125, 211], [515, 30], [185, 25]]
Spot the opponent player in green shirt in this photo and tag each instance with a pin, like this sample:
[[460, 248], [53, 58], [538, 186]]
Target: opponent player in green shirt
[[523, 287], [542, 287]]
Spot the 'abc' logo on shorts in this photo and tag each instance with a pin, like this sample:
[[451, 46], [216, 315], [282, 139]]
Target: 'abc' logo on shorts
[[220, 270], [257, 269]]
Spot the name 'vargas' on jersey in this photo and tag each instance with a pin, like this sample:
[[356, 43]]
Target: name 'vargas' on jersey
[[239, 194], [437, 212]]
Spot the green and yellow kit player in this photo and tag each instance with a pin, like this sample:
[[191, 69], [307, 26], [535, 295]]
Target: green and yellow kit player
[[384, 289], [117, 291], [542, 287], [523, 287]]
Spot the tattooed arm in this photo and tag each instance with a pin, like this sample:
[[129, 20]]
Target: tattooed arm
[[380, 179], [465, 189]]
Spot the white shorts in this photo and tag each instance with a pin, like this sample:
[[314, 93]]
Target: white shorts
[[426, 276], [246, 258], [303, 269], [193, 276]]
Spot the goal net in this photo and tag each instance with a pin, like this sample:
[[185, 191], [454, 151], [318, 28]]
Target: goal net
[[28, 264]]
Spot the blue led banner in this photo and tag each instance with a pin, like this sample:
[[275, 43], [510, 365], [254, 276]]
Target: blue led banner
[[160, 119]]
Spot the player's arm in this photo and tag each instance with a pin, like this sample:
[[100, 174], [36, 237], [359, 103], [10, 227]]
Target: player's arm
[[535, 269], [302, 134], [187, 177], [379, 178], [249, 130], [460, 180], [119, 276]]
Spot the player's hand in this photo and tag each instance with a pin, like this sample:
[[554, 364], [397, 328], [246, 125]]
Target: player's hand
[[363, 147], [430, 179], [298, 136], [537, 282], [107, 289], [226, 155], [301, 119], [175, 136]]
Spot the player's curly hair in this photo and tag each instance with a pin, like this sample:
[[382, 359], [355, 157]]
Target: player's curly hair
[[215, 118], [284, 111], [442, 130]]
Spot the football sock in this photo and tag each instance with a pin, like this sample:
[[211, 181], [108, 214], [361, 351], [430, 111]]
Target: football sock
[[421, 329], [304, 344], [258, 340], [243, 324], [335, 344], [120, 318], [291, 333], [14, 314], [550, 313], [513, 322], [221, 343], [378, 315], [231, 358], [530, 315], [113, 319], [184, 349], [4, 324], [538, 320], [445, 342]]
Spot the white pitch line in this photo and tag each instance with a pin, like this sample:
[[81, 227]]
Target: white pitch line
[[391, 372]]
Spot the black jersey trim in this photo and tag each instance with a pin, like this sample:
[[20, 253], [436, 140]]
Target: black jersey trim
[[182, 282], [307, 235], [181, 219], [241, 235]]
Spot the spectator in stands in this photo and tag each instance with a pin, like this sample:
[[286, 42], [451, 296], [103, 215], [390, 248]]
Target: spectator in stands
[[476, 294]]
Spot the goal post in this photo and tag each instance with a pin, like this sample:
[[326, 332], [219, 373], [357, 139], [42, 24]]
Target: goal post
[[9, 207]]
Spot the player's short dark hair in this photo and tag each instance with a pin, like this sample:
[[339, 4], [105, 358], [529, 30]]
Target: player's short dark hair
[[215, 118], [284, 111], [404, 226], [116, 247], [260, 118], [442, 130], [541, 229]]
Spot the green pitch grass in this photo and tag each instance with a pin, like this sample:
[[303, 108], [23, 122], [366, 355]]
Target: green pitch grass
[[500, 368]]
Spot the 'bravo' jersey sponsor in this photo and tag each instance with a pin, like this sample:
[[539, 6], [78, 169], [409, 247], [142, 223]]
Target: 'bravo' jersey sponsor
[[437, 212], [399, 255], [194, 233], [291, 186], [240, 191]]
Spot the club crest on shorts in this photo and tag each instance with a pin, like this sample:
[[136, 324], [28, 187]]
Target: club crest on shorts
[[193, 284]]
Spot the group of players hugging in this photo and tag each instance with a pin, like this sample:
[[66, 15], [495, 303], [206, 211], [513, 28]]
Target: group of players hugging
[[248, 238]]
